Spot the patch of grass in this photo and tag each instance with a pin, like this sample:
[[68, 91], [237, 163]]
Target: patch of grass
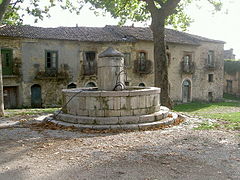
[[207, 126], [201, 106], [20, 112], [219, 111]]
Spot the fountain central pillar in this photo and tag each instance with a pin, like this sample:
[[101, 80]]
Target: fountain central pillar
[[110, 70]]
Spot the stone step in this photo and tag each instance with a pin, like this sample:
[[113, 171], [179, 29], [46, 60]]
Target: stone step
[[163, 113], [140, 126]]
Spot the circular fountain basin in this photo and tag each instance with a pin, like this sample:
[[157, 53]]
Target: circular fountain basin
[[134, 105], [129, 102]]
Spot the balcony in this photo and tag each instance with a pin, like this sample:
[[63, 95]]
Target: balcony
[[45, 75], [143, 67], [211, 66], [188, 68], [89, 69]]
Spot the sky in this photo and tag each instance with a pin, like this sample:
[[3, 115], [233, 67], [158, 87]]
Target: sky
[[220, 26]]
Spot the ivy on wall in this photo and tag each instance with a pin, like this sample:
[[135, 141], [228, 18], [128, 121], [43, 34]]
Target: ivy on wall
[[231, 66]]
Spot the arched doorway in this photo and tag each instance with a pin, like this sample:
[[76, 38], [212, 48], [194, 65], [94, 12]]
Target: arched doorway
[[36, 96], [186, 91]]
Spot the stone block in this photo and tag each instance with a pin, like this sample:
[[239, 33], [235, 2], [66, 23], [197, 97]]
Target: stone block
[[126, 112], [157, 108], [99, 113], [100, 127], [104, 103], [90, 103], [134, 102], [128, 120], [130, 126], [116, 103], [112, 113], [82, 112], [147, 101], [110, 103], [67, 118], [107, 120], [159, 116], [123, 103], [156, 100], [142, 103], [146, 118], [137, 112], [82, 103], [85, 120]]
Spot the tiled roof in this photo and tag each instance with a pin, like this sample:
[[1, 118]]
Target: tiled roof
[[99, 34]]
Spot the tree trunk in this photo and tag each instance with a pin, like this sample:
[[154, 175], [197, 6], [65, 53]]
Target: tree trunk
[[160, 59], [1, 88], [3, 8]]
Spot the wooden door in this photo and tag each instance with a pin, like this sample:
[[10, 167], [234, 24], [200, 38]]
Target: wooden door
[[10, 97]]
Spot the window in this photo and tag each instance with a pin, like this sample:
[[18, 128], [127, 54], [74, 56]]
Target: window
[[210, 59], [7, 61], [210, 77], [186, 60], [127, 59], [142, 61], [51, 61], [89, 63]]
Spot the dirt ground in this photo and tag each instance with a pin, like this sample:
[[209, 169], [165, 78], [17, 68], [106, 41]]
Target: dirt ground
[[178, 152]]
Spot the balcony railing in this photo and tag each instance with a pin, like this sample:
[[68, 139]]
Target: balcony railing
[[90, 69], [188, 68], [143, 66]]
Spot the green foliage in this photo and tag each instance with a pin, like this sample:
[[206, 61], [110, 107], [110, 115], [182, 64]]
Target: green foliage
[[37, 8], [231, 67]]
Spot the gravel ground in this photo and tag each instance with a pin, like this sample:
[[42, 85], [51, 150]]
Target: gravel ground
[[174, 153]]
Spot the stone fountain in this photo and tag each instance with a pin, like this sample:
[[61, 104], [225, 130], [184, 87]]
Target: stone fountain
[[113, 105]]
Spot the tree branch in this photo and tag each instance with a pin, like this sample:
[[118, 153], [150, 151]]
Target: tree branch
[[3, 8], [169, 7], [151, 6], [13, 4]]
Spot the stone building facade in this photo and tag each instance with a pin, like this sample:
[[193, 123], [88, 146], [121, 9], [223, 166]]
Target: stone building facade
[[39, 62], [232, 77]]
